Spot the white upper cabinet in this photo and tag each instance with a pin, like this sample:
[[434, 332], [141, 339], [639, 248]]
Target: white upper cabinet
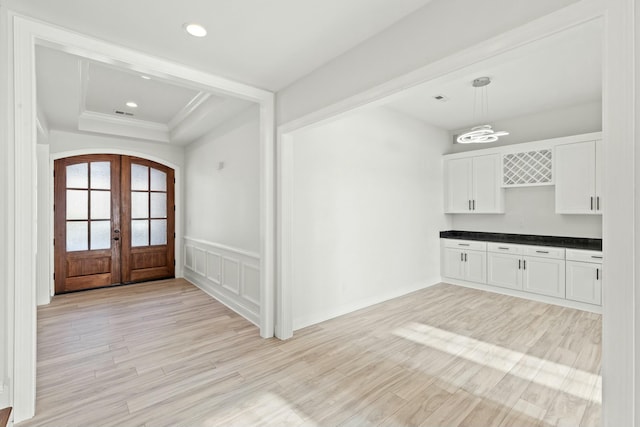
[[578, 178], [473, 185]]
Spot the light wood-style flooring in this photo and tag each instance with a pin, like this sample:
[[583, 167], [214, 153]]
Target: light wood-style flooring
[[166, 354]]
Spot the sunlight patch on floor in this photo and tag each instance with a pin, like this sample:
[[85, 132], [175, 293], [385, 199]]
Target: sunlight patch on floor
[[576, 382], [264, 409]]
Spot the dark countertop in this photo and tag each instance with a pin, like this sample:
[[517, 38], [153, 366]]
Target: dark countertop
[[526, 239]]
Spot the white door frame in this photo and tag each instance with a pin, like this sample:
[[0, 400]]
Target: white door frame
[[619, 343], [27, 34]]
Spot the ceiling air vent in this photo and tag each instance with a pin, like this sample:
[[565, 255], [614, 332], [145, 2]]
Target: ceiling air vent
[[123, 113]]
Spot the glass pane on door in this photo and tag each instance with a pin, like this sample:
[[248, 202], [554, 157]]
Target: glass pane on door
[[88, 206], [77, 236], [100, 235], [78, 176]]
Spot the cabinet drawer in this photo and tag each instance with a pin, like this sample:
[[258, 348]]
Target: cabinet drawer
[[543, 252], [504, 248], [473, 245], [584, 256]]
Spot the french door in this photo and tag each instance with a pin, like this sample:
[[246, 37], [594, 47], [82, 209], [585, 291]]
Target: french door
[[114, 221]]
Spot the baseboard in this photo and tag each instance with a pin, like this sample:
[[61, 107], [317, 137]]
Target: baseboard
[[222, 297], [341, 310], [525, 295]]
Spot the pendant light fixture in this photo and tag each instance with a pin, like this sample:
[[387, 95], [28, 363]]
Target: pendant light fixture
[[483, 133]]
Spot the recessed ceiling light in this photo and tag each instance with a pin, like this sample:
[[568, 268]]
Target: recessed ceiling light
[[146, 77], [131, 104], [195, 30]]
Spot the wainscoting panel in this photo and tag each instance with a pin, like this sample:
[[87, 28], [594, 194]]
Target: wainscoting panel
[[213, 267], [230, 275], [199, 267], [251, 283]]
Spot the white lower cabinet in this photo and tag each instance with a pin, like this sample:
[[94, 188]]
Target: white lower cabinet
[[512, 266], [568, 274], [465, 260], [584, 276], [504, 270], [543, 276]]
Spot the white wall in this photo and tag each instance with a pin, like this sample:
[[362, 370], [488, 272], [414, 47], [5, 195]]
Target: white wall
[[367, 212], [222, 239], [223, 205], [61, 141], [531, 210], [439, 29], [6, 209], [44, 279]]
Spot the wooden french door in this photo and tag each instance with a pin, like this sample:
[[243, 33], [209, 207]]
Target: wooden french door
[[114, 221]]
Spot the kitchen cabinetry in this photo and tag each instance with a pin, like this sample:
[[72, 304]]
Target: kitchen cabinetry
[[540, 270], [465, 260], [473, 185], [578, 173], [584, 276]]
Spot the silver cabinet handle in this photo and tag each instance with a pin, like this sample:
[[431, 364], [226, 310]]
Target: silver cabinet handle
[[503, 248], [469, 204], [474, 204], [542, 252], [461, 256], [464, 244], [596, 257], [465, 257], [591, 202], [598, 202], [524, 264], [597, 274], [519, 264]]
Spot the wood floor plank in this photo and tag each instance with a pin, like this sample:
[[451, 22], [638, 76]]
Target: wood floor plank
[[166, 354]]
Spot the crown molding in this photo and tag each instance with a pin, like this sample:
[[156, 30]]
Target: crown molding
[[121, 126]]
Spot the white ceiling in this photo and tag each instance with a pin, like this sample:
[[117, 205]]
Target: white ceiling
[[559, 71], [74, 94], [268, 44]]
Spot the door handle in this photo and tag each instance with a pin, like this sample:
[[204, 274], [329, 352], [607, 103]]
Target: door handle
[[591, 202], [598, 202], [474, 204], [469, 204], [461, 256], [597, 274], [465, 257], [524, 264], [519, 264]]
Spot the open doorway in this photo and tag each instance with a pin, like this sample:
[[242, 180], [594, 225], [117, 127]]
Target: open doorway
[[137, 142]]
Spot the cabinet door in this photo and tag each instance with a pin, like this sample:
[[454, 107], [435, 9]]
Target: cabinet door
[[575, 179], [488, 194], [599, 169], [453, 263], [584, 282], [504, 270], [458, 185], [475, 266], [544, 276]]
